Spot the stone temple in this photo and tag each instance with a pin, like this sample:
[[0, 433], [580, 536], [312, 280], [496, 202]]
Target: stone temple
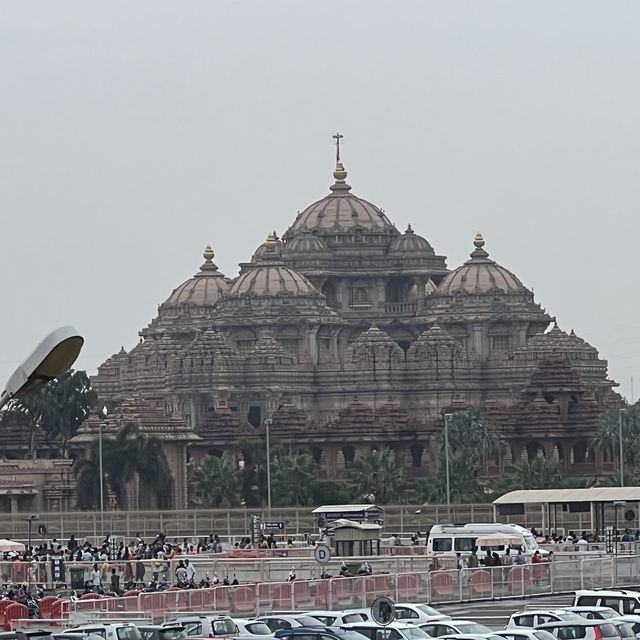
[[348, 334]]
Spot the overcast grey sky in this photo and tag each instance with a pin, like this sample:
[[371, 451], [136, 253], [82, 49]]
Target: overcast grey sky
[[134, 132]]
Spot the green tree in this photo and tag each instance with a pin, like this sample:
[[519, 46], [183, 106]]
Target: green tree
[[376, 473], [608, 436], [216, 482], [125, 456], [537, 473], [469, 429], [293, 479], [331, 492], [57, 409], [464, 479]]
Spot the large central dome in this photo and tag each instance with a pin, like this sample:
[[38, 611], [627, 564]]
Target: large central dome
[[341, 211]]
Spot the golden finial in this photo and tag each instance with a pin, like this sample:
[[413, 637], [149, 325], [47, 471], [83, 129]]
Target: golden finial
[[478, 241], [208, 253], [340, 173], [271, 241]]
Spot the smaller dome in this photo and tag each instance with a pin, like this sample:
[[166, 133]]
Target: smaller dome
[[480, 275], [272, 244], [306, 243], [410, 242], [204, 289]]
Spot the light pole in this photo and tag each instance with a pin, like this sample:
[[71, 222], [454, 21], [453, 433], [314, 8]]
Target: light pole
[[104, 414], [267, 423], [52, 358], [447, 417], [621, 413]]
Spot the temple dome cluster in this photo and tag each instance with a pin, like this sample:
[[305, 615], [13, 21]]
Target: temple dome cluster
[[348, 334]]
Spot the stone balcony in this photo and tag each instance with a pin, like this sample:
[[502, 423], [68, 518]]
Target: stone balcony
[[400, 308]]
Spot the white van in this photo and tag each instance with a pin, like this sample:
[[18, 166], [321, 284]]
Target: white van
[[449, 539]]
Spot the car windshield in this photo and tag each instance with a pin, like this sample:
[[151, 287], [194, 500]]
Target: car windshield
[[541, 634], [605, 614], [326, 620], [414, 633], [224, 627], [128, 633], [309, 621], [608, 630], [172, 634], [430, 611], [472, 627], [258, 628]]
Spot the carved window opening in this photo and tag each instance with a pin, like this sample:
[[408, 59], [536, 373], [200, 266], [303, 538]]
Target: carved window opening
[[254, 417]]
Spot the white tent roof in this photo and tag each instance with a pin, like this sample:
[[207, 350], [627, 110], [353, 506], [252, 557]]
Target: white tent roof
[[344, 508], [551, 496], [351, 524]]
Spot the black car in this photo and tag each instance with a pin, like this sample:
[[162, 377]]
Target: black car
[[318, 633]]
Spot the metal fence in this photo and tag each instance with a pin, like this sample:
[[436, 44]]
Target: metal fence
[[194, 523], [436, 587]]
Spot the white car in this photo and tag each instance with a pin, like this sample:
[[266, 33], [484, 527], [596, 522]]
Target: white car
[[204, 626], [289, 621], [109, 630], [535, 617], [632, 619], [337, 618], [454, 628], [416, 613], [249, 628], [594, 613], [394, 631], [524, 634], [623, 601]]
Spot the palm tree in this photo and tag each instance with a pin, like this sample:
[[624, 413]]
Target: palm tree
[[469, 429], [608, 436], [294, 479], [215, 482], [537, 473], [125, 456], [464, 480], [377, 474]]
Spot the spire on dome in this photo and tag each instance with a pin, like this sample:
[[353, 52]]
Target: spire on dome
[[478, 243], [409, 229], [340, 173], [208, 255]]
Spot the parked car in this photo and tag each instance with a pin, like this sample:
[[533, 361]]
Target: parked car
[[535, 617], [632, 619], [289, 621], [204, 626], [623, 601], [248, 628], [170, 631], [415, 613], [453, 627], [394, 631], [317, 633], [524, 634], [625, 630], [109, 630], [585, 630], [594, 613], [337, 618]]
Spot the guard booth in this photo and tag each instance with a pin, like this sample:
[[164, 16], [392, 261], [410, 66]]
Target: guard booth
[[352, 538]]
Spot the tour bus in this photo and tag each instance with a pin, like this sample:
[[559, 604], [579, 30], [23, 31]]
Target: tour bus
[[449, 539]]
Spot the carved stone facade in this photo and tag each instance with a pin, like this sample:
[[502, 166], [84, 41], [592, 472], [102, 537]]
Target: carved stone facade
[[348, 335]]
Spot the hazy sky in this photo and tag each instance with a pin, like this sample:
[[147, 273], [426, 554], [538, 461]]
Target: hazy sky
[[134, 132]]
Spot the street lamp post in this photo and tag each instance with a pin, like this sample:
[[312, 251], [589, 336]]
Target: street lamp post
[[267, 423], [621, 413], [447, 418], [104, 414], [52, 358]]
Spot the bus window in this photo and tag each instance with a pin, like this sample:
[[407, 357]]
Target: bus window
[[442, 544], [464, 544]]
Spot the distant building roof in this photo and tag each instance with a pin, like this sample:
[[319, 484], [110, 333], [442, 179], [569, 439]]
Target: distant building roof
[[551, 496]]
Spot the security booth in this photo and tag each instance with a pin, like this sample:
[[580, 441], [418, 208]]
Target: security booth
[[352, 538]]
